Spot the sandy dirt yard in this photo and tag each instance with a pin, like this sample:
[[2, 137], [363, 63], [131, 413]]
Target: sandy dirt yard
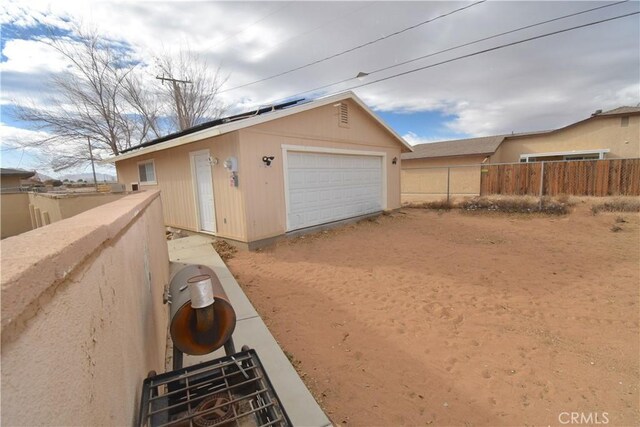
[[421, 318]]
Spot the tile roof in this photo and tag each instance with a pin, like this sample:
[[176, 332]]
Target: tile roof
[[460, 147], [620, 110]]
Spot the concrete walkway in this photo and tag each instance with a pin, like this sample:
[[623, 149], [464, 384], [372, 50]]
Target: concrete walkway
[[300, 405]]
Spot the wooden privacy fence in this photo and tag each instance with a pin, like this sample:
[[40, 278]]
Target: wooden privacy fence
[[578, 178]]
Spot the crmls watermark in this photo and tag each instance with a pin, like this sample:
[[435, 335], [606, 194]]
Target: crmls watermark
[[591, 418]]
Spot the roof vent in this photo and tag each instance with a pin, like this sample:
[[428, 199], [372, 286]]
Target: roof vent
[[596, 113]]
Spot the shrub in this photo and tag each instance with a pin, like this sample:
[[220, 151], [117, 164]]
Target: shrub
[[224, 249], [443, 204], [521, 204], [53, 182], [617, 205]]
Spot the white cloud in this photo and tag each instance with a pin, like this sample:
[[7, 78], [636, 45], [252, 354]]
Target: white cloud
[[10, 136], [539, 85], [414, 139], [28, 56]]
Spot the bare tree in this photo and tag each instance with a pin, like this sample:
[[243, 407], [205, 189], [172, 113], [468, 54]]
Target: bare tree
[[191, 89], [146, 105], [102, 96], [92, 100]]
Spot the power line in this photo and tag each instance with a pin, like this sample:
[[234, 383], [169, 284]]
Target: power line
[[497, 48], [21, 156], [479, 52], [335, 55], [461, 46]]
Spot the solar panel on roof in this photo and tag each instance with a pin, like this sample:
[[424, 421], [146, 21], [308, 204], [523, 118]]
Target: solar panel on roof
[[217, 122]]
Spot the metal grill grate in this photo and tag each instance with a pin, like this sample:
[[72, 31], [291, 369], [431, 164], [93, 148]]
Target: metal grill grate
[[229, 391]]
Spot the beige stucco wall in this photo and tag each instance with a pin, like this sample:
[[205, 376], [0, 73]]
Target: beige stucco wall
[[604, 132], [15, 218], [264, 186], [174, 179], [62, 206], [82, 315], [426, 179], [255, 209]]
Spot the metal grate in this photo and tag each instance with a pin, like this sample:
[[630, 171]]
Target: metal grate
[[229, 391]]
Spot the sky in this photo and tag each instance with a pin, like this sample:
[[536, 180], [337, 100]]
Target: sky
[[537, 85]]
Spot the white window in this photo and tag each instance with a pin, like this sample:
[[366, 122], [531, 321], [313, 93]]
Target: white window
[[597, 154], [147, 172]]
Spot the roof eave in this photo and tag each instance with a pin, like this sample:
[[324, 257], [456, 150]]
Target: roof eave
[[407, 148], [181, 140], [21, 175], [597, 116], [241, 124]]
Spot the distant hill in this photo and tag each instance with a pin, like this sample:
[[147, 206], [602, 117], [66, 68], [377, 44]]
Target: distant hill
[[101, 177]]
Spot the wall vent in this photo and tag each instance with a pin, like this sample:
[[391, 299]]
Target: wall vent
[[344, 114]]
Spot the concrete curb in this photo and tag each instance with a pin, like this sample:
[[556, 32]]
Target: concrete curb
[[300, 405]]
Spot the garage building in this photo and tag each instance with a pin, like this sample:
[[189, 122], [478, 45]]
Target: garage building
[[253, 177]]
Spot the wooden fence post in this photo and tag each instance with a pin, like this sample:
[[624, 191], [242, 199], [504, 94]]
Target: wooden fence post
[[541, 183]]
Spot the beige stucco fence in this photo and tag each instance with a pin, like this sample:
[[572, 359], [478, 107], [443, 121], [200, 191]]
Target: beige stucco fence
[[22, 212], [612, 177], [14, 214], [82, 315], [437, 183]]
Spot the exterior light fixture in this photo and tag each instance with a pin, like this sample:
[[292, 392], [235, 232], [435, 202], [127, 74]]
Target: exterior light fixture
[[267, 160], [395, 160], [231, 164], [361, 75]]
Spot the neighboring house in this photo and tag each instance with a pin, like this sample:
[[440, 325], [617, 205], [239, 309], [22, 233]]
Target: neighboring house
[[614, 134], [10, 179], [604, 135], [257, 176]]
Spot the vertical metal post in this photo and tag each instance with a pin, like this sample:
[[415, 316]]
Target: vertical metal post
[[541, 183], [93, 166], [448, 183], [178, 358], [229, 347]]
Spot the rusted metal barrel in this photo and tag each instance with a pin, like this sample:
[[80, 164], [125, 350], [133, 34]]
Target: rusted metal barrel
[[201, 330]]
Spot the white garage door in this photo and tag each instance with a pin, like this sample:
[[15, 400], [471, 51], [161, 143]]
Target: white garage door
[[330, 187]]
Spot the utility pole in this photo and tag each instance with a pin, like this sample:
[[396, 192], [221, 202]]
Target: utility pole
[[93, 166], [177, 96]]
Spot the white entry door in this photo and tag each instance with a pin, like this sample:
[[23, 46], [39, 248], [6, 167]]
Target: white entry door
[[204, 191], [326, 187]]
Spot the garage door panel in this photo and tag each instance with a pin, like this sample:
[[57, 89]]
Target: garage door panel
[[330, 187]]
